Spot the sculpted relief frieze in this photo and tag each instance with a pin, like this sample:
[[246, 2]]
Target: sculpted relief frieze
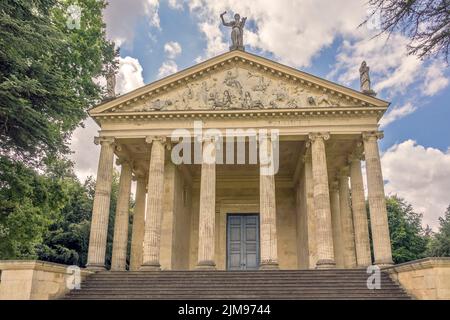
[[238, 88]]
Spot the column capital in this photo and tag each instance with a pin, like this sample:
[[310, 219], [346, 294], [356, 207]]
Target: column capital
[[319, 135], [209, 138], [151, 139], [344, 172], [104, 140], [161, 139], [124, 162], [334, 186], [357, 154], [372, 135]]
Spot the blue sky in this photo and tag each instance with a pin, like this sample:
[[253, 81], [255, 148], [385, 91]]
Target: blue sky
[[320, 37]]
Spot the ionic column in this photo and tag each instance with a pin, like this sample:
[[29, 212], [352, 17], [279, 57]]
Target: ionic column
[[120, 241], [324, 238], [207, 216], [137, 235], [348, 234], [310, 213], [100, 210], [267, 205], [377, 201], [336, 223], [360, 224], [152, 235]]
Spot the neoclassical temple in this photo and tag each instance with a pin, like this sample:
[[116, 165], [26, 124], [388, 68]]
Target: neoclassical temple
[[227, 211]]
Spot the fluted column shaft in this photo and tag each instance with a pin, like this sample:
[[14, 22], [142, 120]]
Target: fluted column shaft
[[360, 224], [310, 213], [137, 235], [267, 205], [100, 210], [348, 234], [377, 201], [336, 223], [207, 215], [120, 241], [325, 249], [152, 235]]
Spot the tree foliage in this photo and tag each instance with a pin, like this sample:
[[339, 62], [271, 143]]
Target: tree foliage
[[29, 202], [425, 22], [408, 237], [440, 242], [47, 73]]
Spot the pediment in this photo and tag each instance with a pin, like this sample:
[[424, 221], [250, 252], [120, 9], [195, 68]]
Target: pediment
[[237, 81]]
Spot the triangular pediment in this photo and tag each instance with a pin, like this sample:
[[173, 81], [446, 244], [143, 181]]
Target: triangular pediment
[[237, 80]]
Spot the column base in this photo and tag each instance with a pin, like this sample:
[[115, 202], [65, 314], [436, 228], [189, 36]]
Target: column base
[[150, 267], [325, 264], [117, 269], [384, 264], [269, 266], [96, 267], [206, 265]]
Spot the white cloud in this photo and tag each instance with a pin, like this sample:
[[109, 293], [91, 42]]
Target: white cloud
[[294, 31], [86, 153], [435, 79], [419, 175], [391, 68], [167, 68], [129, 76], [297, 31], [176, 4], [121, 18], [397, 113], [172, 49]]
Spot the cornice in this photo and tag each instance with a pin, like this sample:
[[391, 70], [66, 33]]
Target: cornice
[[250, 114]]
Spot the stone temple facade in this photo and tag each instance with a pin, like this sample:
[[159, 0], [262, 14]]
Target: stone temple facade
[[241, 163]]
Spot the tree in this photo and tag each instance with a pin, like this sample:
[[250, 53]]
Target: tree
[[440, 243], [67, 238], [29, 202], [425, 22], [408, 238], [47, 73]]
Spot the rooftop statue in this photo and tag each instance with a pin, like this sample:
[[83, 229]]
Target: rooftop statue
[[365, 79], [237, 31]]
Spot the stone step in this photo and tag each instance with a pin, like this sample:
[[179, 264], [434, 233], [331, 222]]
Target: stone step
[[286, 284], [240, 297], [232, 285]]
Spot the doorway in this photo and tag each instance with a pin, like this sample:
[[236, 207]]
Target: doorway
[[242, 241]]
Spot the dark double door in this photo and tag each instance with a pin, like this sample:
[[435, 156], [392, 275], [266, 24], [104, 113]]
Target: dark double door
[[243, 242]]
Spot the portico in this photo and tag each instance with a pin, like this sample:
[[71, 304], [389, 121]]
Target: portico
[[309, 213]]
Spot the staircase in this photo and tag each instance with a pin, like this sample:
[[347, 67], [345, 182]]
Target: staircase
[[236, 285]]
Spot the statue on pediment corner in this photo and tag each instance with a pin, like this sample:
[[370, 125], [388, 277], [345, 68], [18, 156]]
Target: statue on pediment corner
[[365, 79]]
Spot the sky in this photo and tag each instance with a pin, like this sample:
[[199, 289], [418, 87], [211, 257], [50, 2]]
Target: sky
[[321, 37]]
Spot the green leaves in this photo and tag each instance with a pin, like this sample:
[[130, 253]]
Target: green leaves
[[440, 242], [408, 238], [47, 74]]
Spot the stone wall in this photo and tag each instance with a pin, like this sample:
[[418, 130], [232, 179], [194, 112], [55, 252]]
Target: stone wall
[[425, 279], [34, 280]]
